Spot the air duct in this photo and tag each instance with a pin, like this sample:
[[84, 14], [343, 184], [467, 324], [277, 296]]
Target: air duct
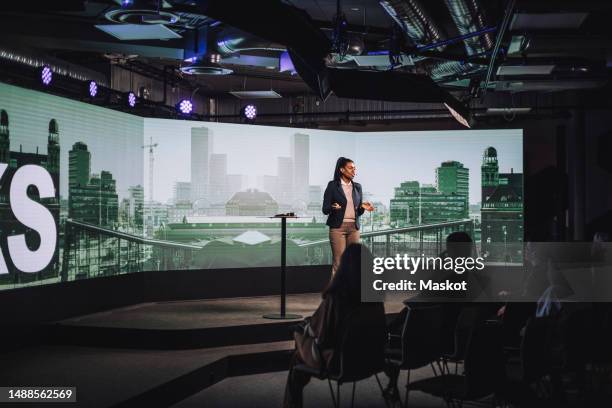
[[414, 21], [468, 17], [422, 30], [452, 68]]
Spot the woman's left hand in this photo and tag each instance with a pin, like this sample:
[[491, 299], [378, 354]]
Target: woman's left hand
[[366, 205]]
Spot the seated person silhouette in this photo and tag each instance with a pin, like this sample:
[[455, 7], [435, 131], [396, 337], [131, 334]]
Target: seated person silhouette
[[321, 331], [459, 244]]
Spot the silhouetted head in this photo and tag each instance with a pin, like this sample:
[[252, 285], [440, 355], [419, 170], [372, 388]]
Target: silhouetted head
[[346, 283], [459, 244]]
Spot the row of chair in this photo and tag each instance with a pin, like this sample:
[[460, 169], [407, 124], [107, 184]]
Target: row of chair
[[364, 351]]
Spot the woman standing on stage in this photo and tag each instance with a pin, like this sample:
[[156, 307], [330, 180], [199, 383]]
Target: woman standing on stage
[[343, 204]]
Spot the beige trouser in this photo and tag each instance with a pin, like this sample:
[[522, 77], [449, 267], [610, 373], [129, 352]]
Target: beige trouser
[[340, 238]]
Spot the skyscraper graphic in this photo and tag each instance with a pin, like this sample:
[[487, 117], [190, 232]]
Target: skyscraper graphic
[[315, 201], [501, 210], [79, 165], [136, 203], [5, 143], [489, 173], [269, 184], [218, 178], [415, 203], [53, 148], [285, 181], [300, 153], [91, 198], [453, 178], [235, 183], [315, 195], [201, 149], [182, 192]]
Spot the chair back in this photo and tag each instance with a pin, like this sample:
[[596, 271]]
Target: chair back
[[422, 336], [601, 334], [484, 361], [535, 362], [469, 318], [361, 350]]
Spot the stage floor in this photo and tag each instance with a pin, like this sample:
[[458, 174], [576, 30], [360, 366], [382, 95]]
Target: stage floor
[[108, 377], [188, 324], [209, 313], [157, 354]]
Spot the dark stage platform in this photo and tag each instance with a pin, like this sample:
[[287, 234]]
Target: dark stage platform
[[157, 354], [187, 324], [182, 324], [114, 377]]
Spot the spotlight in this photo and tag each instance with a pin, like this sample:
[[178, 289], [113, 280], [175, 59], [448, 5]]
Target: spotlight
[[207, 65], [93, 89], [127, 3], [144, 93], [46, 75], [131, 99], [185, 106], [249, 112]]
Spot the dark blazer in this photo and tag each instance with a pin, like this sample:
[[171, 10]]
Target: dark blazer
[[335, 194]]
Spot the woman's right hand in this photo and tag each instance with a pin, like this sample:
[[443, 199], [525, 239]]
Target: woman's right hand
[[336, 206]]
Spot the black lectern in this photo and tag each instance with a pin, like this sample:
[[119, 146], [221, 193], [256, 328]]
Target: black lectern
[[283, 278]]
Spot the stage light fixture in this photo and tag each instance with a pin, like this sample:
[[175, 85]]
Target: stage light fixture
[[249, 112], [93, 89], [127, 3], [185, 106], [46, 75], [458, 110], [131, 99], [144, 93]]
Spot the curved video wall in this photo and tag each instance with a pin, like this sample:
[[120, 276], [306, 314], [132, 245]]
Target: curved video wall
[[87, 192]]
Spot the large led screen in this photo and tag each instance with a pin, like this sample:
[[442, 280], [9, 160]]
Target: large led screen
[[67, 170], [133, 194]]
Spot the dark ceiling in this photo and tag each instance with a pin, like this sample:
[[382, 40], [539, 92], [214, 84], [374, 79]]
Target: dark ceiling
[[543, 46]]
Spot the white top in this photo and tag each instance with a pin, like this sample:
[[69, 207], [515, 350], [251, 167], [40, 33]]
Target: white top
[[349, 213]]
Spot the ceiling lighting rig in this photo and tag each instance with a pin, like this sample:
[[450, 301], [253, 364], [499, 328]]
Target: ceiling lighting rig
[[46, 75], [142, 12], [340, 40], [310, 50], [249, 112]]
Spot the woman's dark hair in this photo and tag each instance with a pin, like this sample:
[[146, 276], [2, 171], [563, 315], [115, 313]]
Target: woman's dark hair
[[346, 283], [340, 163]]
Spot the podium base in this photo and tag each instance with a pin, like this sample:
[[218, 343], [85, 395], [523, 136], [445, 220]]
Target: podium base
[[286, 316]]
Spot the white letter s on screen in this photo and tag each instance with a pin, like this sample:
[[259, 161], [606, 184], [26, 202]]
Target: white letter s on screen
[[33, 215], [3, 267]]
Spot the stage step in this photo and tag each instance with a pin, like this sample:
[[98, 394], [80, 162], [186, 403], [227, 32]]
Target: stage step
[[167, 339], [185, 324], [109, 377], [231, 365]]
